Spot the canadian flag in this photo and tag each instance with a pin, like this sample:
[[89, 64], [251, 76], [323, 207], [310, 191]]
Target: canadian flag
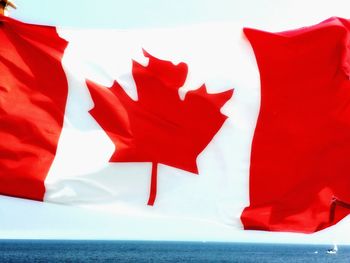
[[213, 122]]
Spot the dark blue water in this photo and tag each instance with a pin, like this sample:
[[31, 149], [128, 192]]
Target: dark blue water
[[130, 251]]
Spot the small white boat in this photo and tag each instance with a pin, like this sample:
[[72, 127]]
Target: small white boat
[[333, 250]]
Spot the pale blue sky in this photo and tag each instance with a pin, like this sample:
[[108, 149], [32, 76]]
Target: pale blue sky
[[26, 219], [162, 13], [136, 13]]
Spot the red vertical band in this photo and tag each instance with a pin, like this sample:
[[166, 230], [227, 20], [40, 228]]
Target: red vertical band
[[301, 146], [33, 93]]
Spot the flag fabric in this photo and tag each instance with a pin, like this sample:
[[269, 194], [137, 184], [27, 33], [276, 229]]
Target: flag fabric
[[299, 168], [206, 122], [33, 99]]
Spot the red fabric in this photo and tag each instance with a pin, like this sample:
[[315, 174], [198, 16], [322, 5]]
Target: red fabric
[[33, 92], [159, 127], [301, 146]]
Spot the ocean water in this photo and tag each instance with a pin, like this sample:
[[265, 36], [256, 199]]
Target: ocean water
[[133, 251]]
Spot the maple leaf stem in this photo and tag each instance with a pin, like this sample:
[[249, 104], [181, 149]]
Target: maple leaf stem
[[153, 190]]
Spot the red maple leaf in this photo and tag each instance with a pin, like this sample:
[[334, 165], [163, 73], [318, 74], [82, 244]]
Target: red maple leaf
[[159, 127]]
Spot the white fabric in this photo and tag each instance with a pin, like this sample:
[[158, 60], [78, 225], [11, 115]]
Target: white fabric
[[217, 55]]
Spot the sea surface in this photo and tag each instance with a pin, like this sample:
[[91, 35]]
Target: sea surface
[[136, 251]]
